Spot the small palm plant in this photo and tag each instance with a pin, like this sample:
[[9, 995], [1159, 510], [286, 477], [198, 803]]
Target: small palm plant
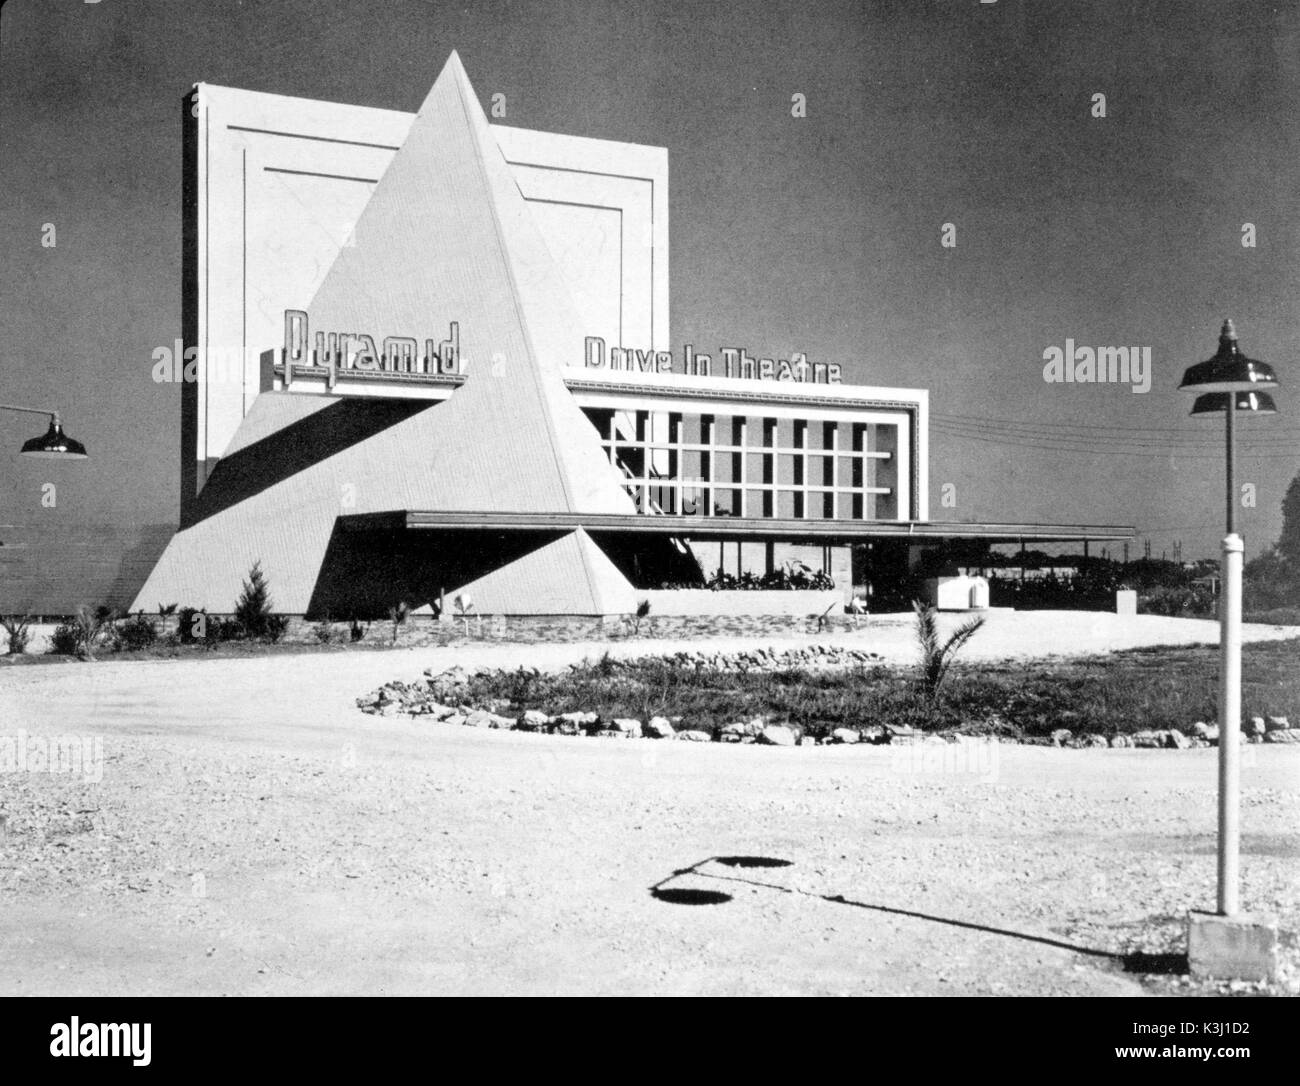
[[90, 626], [18, 627], [937, 658]]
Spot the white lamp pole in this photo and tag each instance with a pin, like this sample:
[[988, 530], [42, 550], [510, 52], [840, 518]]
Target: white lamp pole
[[1229, 723], [1230, 681], [1227, 383]]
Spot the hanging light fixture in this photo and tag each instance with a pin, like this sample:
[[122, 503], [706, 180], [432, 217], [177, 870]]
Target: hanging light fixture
[[54, 444]]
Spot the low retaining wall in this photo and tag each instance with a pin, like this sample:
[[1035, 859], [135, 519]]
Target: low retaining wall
[[695, 602], [560, 628], [420, 630]]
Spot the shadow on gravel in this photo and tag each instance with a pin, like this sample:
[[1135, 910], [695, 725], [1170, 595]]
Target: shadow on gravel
[[1138, 962], [687, 896], [1060, 944], [1163, 965], [677, 895]]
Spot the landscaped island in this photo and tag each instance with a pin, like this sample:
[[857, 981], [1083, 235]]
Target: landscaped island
[[1159, 697]]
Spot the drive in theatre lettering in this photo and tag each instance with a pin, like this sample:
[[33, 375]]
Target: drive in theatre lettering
[[733, 362]]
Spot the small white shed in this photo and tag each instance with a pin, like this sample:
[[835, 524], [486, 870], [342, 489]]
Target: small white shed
[[958, 593]]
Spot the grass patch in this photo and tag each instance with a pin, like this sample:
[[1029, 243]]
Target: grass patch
[[1121, 693]]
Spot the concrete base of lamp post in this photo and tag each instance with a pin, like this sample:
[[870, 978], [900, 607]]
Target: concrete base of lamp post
[[1240, 947]]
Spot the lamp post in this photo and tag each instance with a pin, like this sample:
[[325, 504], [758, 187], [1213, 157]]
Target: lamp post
[[1228, 383], [54, 444]]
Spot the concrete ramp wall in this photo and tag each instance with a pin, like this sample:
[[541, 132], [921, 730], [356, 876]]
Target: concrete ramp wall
[[702, 601]]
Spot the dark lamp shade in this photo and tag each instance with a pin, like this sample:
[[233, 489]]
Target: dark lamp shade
[[1229, 370], [54, 444], [1249, 403]]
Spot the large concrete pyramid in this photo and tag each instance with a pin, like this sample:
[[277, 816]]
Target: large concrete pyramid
[[447, 236]]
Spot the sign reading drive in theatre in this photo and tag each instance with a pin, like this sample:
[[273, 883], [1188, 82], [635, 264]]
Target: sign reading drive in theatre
[[735, 362]]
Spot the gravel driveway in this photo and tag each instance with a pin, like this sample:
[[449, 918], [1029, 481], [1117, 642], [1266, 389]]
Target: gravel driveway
[[254, 833]]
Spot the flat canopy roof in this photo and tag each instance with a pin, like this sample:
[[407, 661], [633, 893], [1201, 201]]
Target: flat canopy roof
[[767, 528]]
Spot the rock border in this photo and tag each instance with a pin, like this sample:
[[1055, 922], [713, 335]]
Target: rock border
[[441, 698]]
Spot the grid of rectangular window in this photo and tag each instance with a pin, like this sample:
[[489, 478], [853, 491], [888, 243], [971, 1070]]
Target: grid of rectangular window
[[753, 465]]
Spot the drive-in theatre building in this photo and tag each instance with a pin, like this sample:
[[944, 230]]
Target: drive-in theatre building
[[429, 357]]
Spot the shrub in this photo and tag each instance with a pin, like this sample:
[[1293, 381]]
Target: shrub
[[356, 631], [224, 629], [196, 627], [1270, 583], [65, 640], [192, 625], [80, 635], [794, 575], [325, 632], [19, 630], [253, 612], [1187, 600], [91, 625], [135, 633]]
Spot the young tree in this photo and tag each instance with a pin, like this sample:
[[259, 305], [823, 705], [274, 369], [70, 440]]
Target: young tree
[[253, 611], [1288, 544], [642, 611]]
